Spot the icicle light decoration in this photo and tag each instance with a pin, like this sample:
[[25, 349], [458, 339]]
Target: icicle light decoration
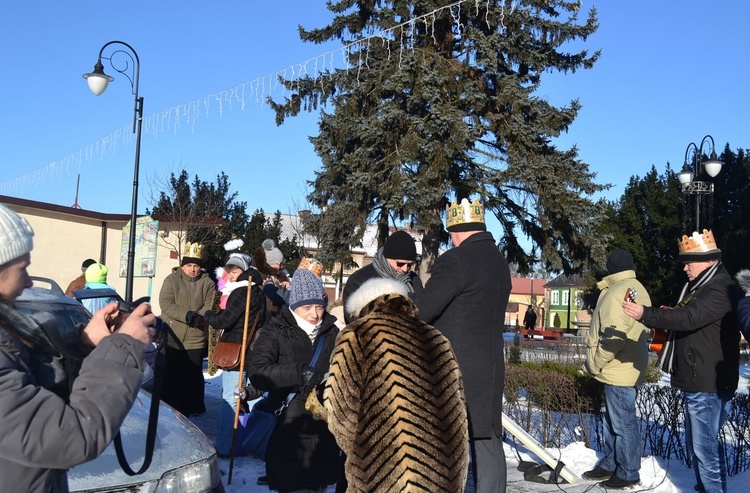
[[173, 119]]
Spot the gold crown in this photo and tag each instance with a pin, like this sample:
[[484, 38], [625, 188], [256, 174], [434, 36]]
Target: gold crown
[[311, 264], [193, 250], [464, 213], [698, 243]]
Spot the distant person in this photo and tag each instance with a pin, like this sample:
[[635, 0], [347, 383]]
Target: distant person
[[241, 276], [51, 417], [529, 319], [269, 261], [96, 278], [80, 281], [465, 299], [702, 352], [302, 455], [743, 307], [186, 293], [393, 373], [394, 260], [617, 356]]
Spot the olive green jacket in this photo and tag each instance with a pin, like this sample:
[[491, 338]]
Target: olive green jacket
[[181, 294]]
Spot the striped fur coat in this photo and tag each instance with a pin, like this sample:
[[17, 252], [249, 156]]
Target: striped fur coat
[[395, 402]]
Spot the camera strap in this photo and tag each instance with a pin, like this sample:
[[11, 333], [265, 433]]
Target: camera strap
[[153, 419]]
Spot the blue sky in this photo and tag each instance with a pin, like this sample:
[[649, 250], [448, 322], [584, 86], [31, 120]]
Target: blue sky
[[670, 73]]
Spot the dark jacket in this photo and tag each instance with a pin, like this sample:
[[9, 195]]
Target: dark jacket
[[465, 298], [231, 320], [366, 273], [706, 344], [42, 435], [301, 453]]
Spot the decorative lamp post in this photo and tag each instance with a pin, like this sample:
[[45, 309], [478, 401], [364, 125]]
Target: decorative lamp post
[[692, 185], [98, 82]]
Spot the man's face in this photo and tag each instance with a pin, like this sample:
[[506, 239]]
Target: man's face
[[191, 270], [400, 265], [693, 269], [14, 279]]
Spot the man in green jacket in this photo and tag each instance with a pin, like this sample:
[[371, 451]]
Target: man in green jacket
[[617, 355], [187, 292]]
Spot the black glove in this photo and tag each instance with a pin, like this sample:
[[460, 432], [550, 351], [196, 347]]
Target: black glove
[[311, 376], [191, 318]]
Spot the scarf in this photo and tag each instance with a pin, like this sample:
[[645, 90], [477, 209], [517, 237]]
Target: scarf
[[54, 359], [310, 329], [384, 269], [666, 358]]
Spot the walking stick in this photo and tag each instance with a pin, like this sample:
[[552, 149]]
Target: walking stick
[[240, 381]]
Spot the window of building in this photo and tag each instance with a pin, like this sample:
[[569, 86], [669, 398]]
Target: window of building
[[555, 297], [566, 298]]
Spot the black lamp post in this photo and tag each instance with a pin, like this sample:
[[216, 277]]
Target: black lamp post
[[98, 82], [690, 179]]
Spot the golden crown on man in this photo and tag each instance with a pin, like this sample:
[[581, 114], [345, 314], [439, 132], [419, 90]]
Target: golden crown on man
[[465, 216]]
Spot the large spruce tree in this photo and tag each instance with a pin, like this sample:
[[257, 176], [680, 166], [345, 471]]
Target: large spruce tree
[[447, 106]]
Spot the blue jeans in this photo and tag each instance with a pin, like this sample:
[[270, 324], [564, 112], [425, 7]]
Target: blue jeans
[[224, 434], [622, 438], [705, 413]]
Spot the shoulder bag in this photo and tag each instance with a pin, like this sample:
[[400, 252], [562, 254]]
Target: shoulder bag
[[226, 355], [261, 423]]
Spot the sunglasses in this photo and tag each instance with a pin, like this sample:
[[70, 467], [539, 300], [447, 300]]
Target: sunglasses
[[404, 264]]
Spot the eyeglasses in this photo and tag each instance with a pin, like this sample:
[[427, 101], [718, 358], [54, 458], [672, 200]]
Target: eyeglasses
[[404, 264]]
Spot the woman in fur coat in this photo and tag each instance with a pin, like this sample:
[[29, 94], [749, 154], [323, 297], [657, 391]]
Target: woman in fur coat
[[395, 397]]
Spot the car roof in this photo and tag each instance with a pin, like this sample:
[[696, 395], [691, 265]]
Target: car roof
[[49, 293]]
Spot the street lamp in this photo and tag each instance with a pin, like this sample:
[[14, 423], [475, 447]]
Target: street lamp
[[690, 179], [98, 82]]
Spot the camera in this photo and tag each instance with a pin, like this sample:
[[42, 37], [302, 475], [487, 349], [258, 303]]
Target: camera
[[125, 308]]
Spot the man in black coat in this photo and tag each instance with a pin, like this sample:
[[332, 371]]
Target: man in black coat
[[702, 352], [465, 298], [394, 260]]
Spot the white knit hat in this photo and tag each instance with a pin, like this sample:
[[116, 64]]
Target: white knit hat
[[15, 235]]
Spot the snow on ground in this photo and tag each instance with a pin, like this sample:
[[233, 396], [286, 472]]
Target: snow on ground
[[657, 475]]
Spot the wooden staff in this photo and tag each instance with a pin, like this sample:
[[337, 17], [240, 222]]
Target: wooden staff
[[240, 381]]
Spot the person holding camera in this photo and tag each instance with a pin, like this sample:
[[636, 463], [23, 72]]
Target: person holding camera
[[53, 417], [187, 292]]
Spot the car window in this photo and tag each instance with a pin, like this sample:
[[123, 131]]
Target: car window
[[67, 315]]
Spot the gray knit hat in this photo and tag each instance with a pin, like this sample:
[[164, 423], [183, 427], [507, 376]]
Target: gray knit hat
[[241, 260], [307, 289], [273, 254], [15, 235]]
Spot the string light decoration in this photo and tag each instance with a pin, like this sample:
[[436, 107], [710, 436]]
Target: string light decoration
[[172, 120]]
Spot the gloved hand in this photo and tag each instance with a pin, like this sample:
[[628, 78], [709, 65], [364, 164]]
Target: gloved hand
[[311, 376], [191, 318]]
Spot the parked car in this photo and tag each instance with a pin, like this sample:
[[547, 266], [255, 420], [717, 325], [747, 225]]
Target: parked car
[[184, 460]]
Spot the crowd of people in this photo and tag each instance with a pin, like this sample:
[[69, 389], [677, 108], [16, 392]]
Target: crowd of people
[[411, 379]]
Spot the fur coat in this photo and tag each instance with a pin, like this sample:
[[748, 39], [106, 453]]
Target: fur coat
[[395, 402]]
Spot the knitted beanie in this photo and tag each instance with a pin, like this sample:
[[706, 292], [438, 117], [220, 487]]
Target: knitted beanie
[[97, 272], [620, 260], [15, 235], [273, 254], [241, 260], [400, 245], [86, 263], [307, 289]]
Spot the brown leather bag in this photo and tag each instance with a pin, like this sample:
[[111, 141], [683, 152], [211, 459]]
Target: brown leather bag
[[226, 355]]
